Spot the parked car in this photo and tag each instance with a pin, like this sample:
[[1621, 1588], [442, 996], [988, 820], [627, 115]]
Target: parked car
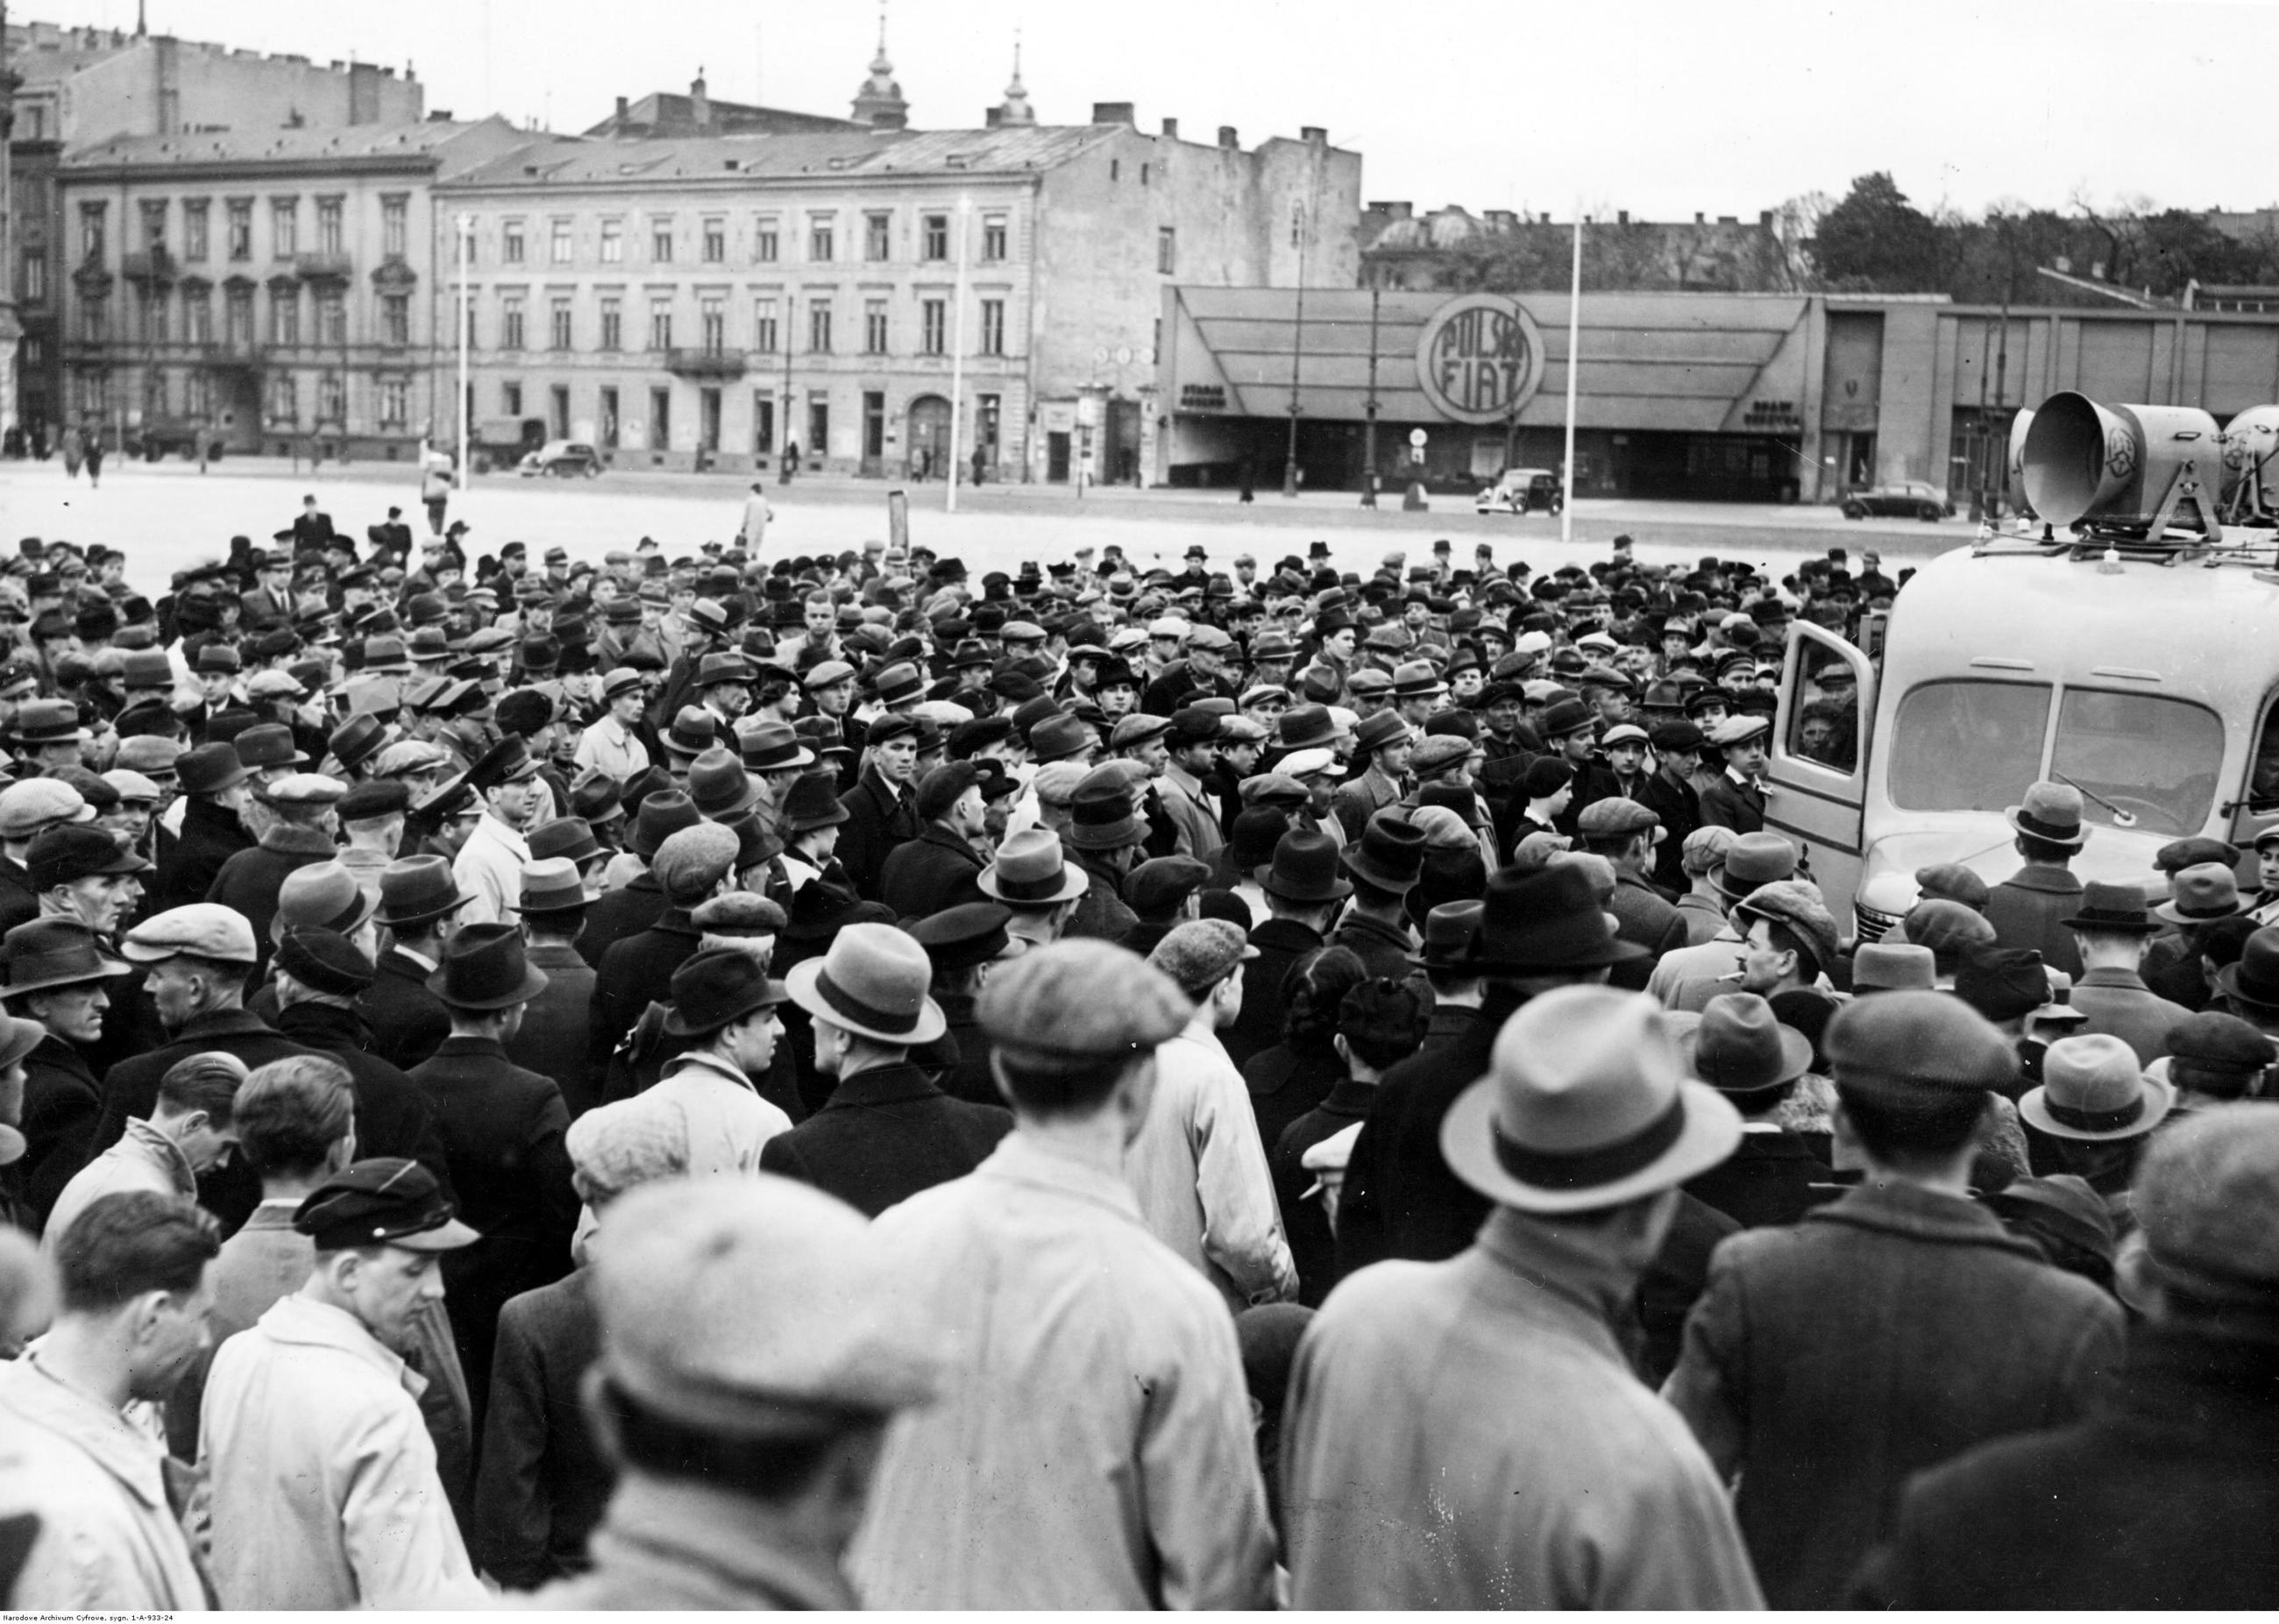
[[564, 459], [1908, 499], [1522, 490]]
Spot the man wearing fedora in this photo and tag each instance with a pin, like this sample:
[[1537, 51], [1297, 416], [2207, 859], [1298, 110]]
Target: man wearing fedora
[[963, 945], [1303, 885], [503, 1129], [1383, 743], [2111, 930], [1090, 1444], [886, 1131], [1743, 1052], [1384, 865], [1746, 862], [60, 974], [1535, 932], [881, 810], [942, 867], [419, 903], [2113, 1511], [1190, 788], [724, 1016], [1451, 1481], [2093, 1116], [319, 975], [556, 1036], [216, 794], [2029, 908], [634, 906], [1031, 876], [1106, 838], [1891, 1329]]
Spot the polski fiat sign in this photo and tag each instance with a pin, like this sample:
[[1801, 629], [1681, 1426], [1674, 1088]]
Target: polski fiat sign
[[1480, 358]]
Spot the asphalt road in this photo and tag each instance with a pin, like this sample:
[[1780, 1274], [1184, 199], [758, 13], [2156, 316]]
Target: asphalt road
[[167, 517]]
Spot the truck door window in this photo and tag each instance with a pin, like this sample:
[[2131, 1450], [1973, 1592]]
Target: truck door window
[[2263, 772], [1825, 723], [1968, 746], [2152, 759]]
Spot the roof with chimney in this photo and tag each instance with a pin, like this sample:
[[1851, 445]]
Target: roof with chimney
[[665, 114], [1011, 150]]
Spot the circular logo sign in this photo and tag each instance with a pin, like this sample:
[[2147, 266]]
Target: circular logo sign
[[1480, 358]]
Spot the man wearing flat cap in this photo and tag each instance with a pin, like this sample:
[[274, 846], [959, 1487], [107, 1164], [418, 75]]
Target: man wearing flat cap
[[1626, 833], [881, 809], [2113, 1511], [324, 1491], [752, 1356], [941, 868], [1090, 1445], [691, 866], [1452, 1480], [301, 817], [1893, 1329]]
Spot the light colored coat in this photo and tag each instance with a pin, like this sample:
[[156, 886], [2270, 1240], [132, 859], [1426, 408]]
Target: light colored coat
[[754, 530], [325, 1491], [1091, 1447], [727, 1120], [1193, 811], [144, 1160], [610, 746], [1199, 1172], [488, 868], [1468, 1434], [108, 1539]]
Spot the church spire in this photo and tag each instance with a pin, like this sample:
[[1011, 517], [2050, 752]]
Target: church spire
[[1015, 109], [880, 102]]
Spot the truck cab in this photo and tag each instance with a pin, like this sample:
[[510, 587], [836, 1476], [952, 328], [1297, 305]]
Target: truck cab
[[2148, 679]]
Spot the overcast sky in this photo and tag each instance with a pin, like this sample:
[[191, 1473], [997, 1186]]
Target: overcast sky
[[1664, 109]]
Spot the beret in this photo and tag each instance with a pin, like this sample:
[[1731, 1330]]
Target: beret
[[1545, 777]]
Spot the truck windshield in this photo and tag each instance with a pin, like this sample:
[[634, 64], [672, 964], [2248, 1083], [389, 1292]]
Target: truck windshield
[[2153, 757], [1968, 746]]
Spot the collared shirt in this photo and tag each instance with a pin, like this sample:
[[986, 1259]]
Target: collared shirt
[[144, 1159], [610, 746], [727, 1120], [325, 1491], [1199, 1172], [488, 868], [1468, 1434], [1090, 1446]]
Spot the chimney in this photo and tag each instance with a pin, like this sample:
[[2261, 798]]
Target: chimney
[[992, 117], [1764, 216], [1228, 139], [1313, 135], [1729, 220], [1114, 112], [1700, 219], [1622, 216], [624, 104], [699, 105], [1170, 129]]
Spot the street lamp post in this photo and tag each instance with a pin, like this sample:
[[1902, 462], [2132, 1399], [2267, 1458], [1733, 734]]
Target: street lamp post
[[957, 355], [1297, 356], [466, 225], [1574, 365], [1369, 430]]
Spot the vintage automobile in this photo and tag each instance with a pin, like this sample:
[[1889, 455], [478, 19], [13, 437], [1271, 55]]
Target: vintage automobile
[[564, 459], [1522, 490], [1908, 499]]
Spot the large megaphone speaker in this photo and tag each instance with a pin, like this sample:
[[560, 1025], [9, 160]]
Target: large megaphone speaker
[[2250, 441], [2014, 480], [2123, 466]]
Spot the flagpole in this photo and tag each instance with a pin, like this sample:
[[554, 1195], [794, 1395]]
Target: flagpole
[[1574, 365]]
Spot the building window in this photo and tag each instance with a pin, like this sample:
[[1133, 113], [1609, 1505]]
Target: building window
[[764, 239], [90, 230], [395, 319], [613, 242], [934, 326], [818, 423], [763, 326], [198, 394], [818, 325], [154, 222], [284, 227], [93, 319], [1114, 169], [763, 421], [613, 325], [660, 420], [333, 399], [332, 317], [557, 242], [511, 399], [284, 401], [285, 315], [511, 333], [992, 237], [511, 242], [194, 230], [716, 241], [197, 315], [35, 279], [238, 313], [241, 227], [992, 326], [395, 228], [660, 326], [660, 241], [1167, 251], [394, 402], [876, 232], [937, 236], [154, 317], [874, 327], [154, 393], [820, 237], [558, 323], [712, 314], [329, 225], [606, 431]]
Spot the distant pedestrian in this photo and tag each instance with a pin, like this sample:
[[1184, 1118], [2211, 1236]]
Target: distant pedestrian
[[74, 449], [754, 531], [435, 472], [790, 462], [93, 457]]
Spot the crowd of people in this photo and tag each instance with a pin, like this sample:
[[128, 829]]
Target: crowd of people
[[760, 1080]]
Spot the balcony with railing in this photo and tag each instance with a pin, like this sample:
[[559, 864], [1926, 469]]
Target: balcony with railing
[[322, 267], [706, 362]]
